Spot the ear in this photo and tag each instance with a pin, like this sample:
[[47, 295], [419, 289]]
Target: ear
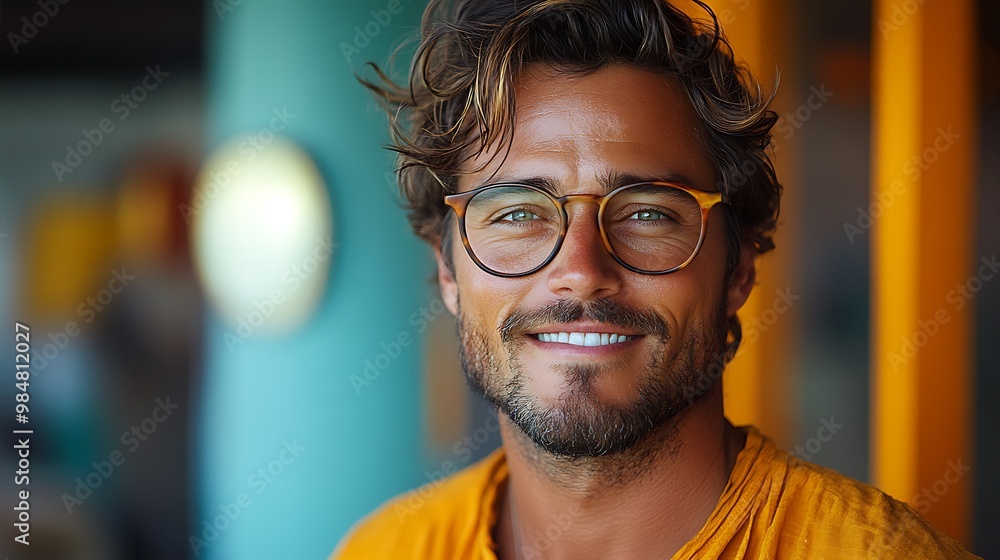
[[449, 287], [742, 280]]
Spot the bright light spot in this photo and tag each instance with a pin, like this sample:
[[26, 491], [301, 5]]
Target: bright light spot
[[262, 235]]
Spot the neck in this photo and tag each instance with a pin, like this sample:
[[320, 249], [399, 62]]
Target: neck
[[645, 503]]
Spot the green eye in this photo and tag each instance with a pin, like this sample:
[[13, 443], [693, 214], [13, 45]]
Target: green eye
[[647, 216], [521, 216]]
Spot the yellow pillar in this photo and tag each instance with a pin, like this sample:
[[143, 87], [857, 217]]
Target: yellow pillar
[[922, 248]]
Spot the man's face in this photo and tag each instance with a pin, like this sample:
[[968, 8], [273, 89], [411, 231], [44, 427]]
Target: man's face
[[581, 133]]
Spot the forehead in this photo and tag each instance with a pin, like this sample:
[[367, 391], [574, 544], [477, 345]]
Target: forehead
[[577, 130]]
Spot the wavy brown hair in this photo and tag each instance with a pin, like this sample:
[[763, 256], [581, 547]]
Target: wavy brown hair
[[459, 98]]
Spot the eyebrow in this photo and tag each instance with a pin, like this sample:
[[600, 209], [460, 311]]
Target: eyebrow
[[609, 181]]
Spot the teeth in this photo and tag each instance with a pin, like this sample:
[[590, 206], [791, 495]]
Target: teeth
[[583, 339]]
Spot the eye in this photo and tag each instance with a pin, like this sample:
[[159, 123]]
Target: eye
[[649, 216], [520, 216]]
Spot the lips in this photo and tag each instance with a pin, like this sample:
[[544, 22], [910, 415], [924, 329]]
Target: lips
[[583, 338]]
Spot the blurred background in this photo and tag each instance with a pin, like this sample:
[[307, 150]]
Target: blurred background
[[237, 349]]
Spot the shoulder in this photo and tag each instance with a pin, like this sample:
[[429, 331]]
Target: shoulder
[[825, 510], [447, 517]]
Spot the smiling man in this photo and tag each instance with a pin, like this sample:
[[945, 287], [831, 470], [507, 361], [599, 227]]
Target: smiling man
[[593, 178]]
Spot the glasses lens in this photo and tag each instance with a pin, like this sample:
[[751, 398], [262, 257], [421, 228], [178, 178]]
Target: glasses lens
[[512, 229], [652, 227]]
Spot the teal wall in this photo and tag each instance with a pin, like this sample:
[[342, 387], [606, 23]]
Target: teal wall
[[358, 449]]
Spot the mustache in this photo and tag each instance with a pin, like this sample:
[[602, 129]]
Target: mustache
[[606, 311]]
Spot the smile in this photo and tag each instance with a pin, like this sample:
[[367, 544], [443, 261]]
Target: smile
[[584, 338]]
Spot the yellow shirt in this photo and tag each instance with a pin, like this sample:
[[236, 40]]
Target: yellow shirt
[[774, 506]]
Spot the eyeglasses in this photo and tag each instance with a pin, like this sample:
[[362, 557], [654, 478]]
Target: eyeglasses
[[512, 230]]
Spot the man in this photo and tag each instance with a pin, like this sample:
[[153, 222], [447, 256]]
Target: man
[[592, 176]]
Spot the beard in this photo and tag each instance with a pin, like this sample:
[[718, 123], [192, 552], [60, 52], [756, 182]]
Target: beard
[[580, 424]]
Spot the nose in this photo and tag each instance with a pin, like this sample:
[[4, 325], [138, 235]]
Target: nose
[[583, 268]]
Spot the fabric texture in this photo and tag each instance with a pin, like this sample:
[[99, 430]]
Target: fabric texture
[[774, 506]]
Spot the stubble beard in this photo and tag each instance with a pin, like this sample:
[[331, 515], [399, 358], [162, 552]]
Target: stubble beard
[[579, 425]]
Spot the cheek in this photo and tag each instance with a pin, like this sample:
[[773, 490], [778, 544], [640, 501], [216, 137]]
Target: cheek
[[484, 300], [691, 297]]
